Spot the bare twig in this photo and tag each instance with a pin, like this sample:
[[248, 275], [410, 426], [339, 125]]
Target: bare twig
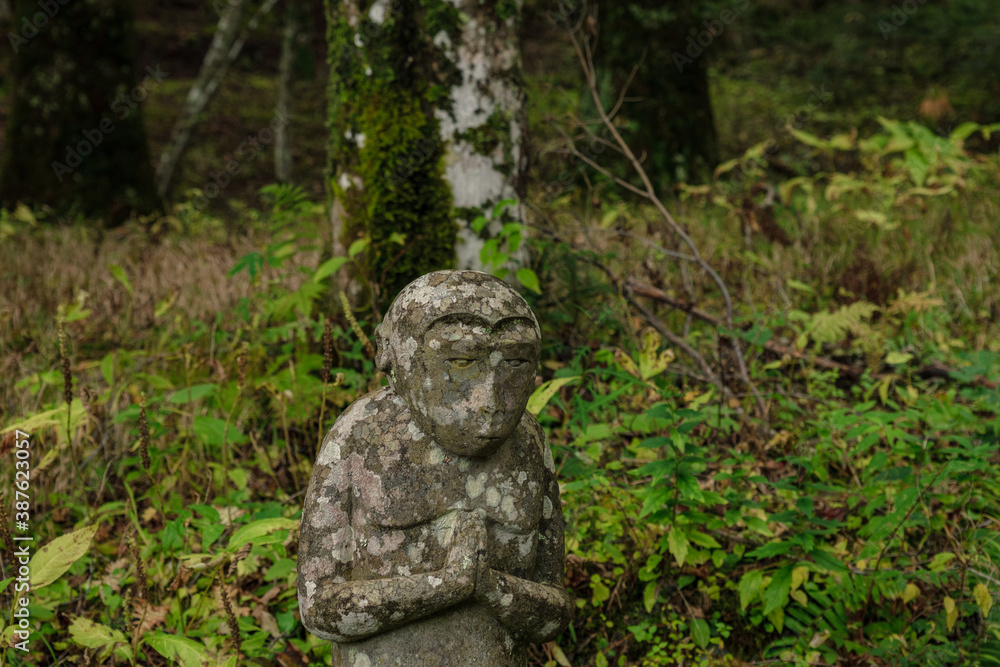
[[583, 52], [659, 295]]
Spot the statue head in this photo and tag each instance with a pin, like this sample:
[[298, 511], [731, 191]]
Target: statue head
[[461, 349]]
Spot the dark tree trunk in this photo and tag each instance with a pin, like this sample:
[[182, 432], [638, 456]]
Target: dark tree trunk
[[667, 109], [75, 138]]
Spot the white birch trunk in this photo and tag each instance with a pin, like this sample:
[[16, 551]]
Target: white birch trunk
[[489, 59]]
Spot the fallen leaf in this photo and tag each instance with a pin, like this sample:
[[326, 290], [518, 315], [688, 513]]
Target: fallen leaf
[[149, 616]]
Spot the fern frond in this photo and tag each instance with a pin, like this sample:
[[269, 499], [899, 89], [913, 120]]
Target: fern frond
[[834, 327]]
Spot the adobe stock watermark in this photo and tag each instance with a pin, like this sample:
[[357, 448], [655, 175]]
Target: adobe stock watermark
[[696, 44], [40, 19], [246, 152], [899, 16], [122, 106]]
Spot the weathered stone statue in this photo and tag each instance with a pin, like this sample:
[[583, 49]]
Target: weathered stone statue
[[432, 532]]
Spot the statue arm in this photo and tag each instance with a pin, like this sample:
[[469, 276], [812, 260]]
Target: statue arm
[[358, 609], [535, 610], [335, 606]]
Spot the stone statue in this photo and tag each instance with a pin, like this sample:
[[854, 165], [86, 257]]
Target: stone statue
[[432, 532]]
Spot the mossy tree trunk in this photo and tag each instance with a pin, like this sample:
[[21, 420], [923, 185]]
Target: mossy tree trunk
[[667, 113], [75, 138], [426, 120]]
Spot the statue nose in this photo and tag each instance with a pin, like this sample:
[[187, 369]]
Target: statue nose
[[489, 406]]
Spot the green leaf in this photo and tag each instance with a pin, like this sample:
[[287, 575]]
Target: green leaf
[[687, 484], [212, 431], [529, 279], [770, 550], [210, 533], [727, 166], [750, 586], [758, 525], [51, 561], [328, 268], [173, 647], [108, 368], [649, 596], [703, 540], [541, 396], [951, 612], [74, 313], [478, 224], [827, 561], [280, 570], [193, 393], [86, 633], [700, 632], [800, 286], [601, 591], [776, 595], [358, 246], [119, 275], [982, 596], [806, 138], [677, 543], [257, 531], [501, 205], [252, 262], [940, 560], [897, 358]]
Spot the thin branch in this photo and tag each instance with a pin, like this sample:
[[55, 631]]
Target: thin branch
[[659, 295], [587, 63], [628, 82], [654, 321], [664, 331]]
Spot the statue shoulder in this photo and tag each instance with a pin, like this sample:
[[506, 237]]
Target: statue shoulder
[[537, 439], [343, 435]]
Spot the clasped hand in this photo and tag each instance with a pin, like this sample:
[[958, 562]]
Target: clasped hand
[[466, 562]]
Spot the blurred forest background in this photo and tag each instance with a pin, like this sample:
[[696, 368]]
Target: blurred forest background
[[761, 238]]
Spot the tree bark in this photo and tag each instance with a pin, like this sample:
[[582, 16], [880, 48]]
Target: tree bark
[[75, 137], [426, 120]]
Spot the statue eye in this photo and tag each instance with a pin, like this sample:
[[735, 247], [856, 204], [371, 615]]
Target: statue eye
[[460, 363], [516, 363]]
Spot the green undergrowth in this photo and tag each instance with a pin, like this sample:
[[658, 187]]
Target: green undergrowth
[[856, 526]]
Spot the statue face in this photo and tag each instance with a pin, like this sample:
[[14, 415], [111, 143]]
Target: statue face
[[469, 382]]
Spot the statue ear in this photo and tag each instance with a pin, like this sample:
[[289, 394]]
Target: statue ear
[[383, 357]]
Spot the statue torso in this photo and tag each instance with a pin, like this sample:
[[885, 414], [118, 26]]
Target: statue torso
[[405, 493]]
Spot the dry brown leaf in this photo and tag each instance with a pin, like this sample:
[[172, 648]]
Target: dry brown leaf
[[272, 593], [268, 623], [149, 616]]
